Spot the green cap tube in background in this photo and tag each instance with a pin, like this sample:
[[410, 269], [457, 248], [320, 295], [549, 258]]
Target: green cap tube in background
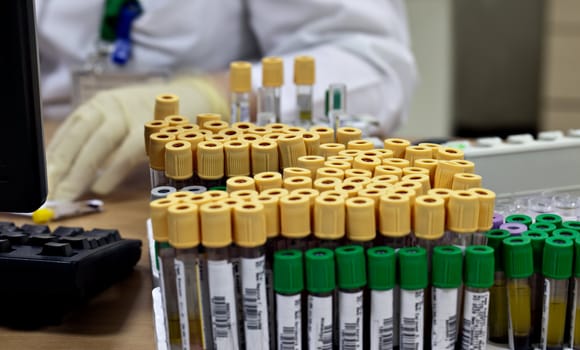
[[537, 238], [495, 239], [520, 219], [550, 218], [479, 266], [320, 275], [572, 225], [543, 226], [382, 267], [518, 257], [577, 260], [558, 258], [413, 274], [447, 262], [566, 233], [350, 263], [288, 271]]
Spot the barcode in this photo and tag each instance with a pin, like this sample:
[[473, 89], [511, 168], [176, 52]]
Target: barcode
[[451, 327], [350, 336], [409, 330], [221, 317], [386, 334], [251, 312], [326, 337], [288, 339], [474, 325]]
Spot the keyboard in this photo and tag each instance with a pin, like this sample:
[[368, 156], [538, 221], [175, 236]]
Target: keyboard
[[46, 274]]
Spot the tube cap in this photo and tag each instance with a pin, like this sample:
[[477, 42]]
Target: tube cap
[[558, 258], [178, 160], [183, 225], [210, 160], [430, 165], [203, 118], [398, 146], [288, 271], [449, 153], [350, 261], [240, 76], [249, 225], [158, 214], [444, 174], [216, 225], [152, 127], [429, 217], [382, 267], [543, 226], [362, 145], [347, 133], [157, 143], [326, 134], [295, 171], [537, 238], [297, 183], [312, 143], [330, 149], [272, 214], [311, 163], [415, 186], [572, 225], [326, 172], [550, 218], [320, 270], [465, 181], [518, 257], [395, 215], [519, 218], [366, 162], [272, 71], [359, 173], [495, 239], [479, 266], [237, 157], [514, 228], [413, 153], [166, 104], [304, 70], [268, 180], [295, 216], [176, 120], [397, 163], [291, 147], [463, 212], [360, 219], [486, 207], [423, 179], [447, 267], [566, 233], [238, 183], [413, 271], [324, 184], [329, 217], [577, 261]]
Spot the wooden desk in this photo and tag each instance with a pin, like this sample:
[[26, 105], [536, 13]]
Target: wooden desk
[[120, 317]]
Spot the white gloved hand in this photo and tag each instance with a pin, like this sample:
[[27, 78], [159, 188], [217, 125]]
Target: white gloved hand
[[102, 140]]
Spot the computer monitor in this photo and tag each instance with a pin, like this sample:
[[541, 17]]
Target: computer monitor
[[22, 162]]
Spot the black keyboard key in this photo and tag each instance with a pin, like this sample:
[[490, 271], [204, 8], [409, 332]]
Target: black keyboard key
[[57, 249], [7, 226], [110, 235], [5, 246], [15, 238], [76, 242], [35, 229], [41, 239], [63, 231]]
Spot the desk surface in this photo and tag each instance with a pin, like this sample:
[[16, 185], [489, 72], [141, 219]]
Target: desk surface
[[120, 317]]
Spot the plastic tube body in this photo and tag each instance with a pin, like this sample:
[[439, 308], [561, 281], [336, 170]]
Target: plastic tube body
[[444, 323], [520, 313], [474, 322], [382, 319], [166, 256], [575, 316], [240, 107], [498, 310], [411, 325], [304, 103], [158, 178], [350, 314], [320, 321], [554, 318], [268, 105], [289, 321]]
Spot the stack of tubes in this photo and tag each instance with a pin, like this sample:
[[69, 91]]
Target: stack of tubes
[[257, 206]]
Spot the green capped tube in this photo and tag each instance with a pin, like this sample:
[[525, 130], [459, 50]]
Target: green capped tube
[[288, 285], [381, 263], [498, 306], [520, 219], [550, 218], [413, 277], [320, 284]]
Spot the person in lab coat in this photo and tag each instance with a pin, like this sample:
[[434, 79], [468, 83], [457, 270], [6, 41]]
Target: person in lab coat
[[364, 44]]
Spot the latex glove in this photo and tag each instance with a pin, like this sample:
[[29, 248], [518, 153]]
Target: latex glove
[[102, 140]]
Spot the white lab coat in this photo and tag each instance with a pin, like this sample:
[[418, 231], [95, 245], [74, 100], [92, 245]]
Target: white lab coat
[[362, 43]]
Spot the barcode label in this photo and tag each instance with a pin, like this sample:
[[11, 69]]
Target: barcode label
[[223, 304], [444, 329], [475, 310], [180, 280], [255, 304], [411, 323], [320, 325], [545, 314], [288, 317], [350, 320], [573, 313], [382, 327]]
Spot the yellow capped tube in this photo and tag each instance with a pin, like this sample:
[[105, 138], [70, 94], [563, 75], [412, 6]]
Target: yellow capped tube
[[434, 147], [203, 118], [178, 163], [245, 195], [423, 179], [397, 162], [176, 120], [346, 134], [244, 127], [462, 217], [215, 125], [388, 170], [269, 93], [291, 147], [183, 225], [216, 225], [361, 180], [366, 163], [428, 219], [275, 192], [330, 172], [238, 183], [323, 184], [449, 153], [297, 182], [350, 188], [331, 149], [217, 195], [210, 160], [268, 179], [311, 142], [348, 173], [158, 214], [312, 163], [395, 219], [465, 181], [325, 133], [444, 193], [430, 165], [304, 76], [398, 146], [363, 145], [264, 154], [157, 143], [152, 127], [381, 186], [249, 225], [486, 211], [237, 158], [329, 220], [445, 172], [413, 153], [240, 88], [466, 165], [295, 171], [360, 219], [166, 104], [294, 217], [272, 214], [411, 185]]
